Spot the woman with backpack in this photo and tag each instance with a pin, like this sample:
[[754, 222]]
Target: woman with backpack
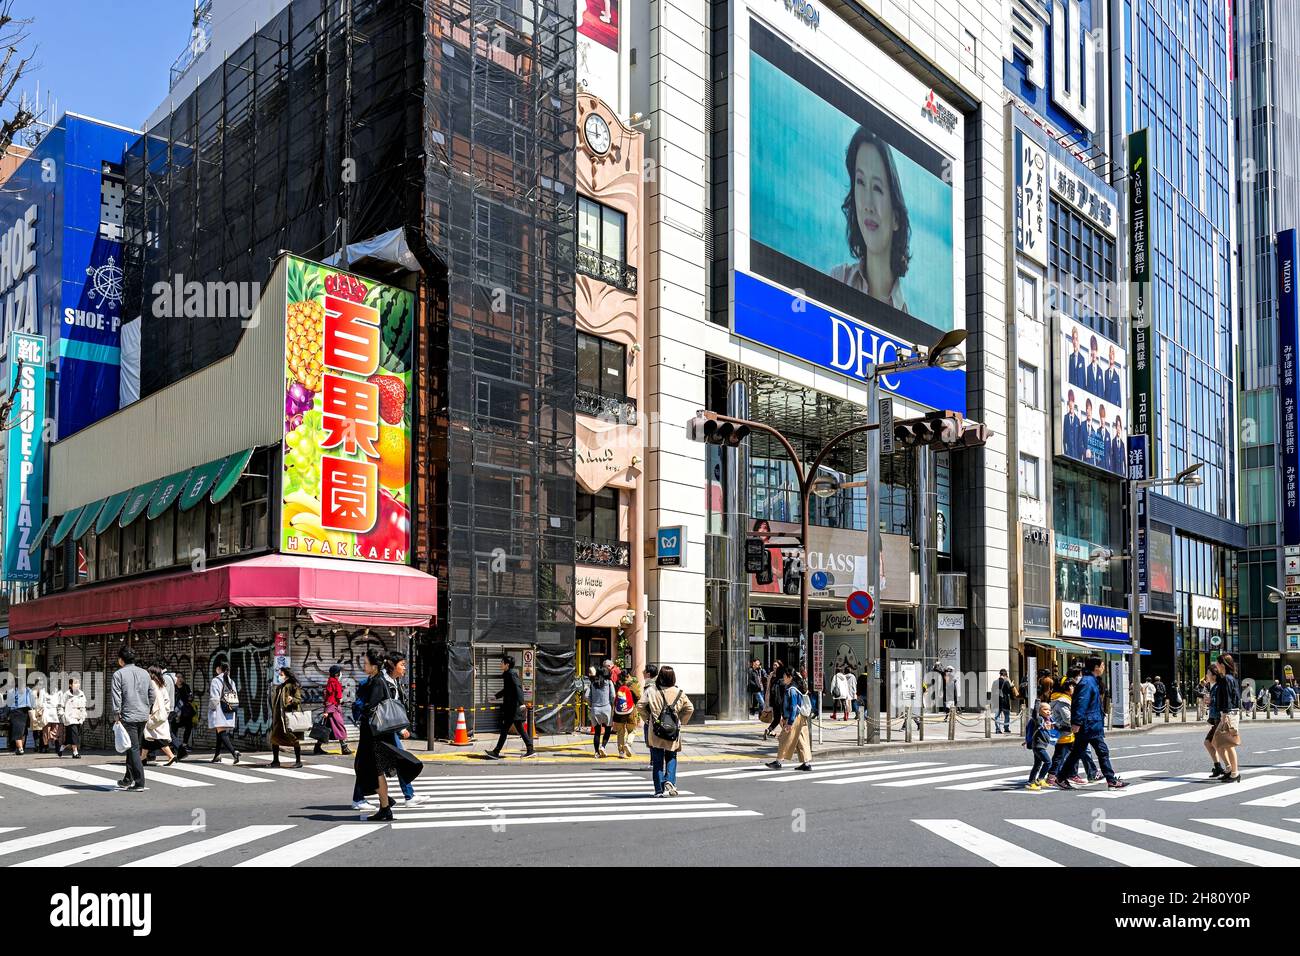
[[795, 737], [223, 701], [600, 703], [626, 697], [844, 687], [666, 708]]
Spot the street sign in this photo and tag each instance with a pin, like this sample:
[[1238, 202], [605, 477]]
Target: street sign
[[281, 648], [529, 673], [820, 580], [886, 426], [859, 605], [670, 547], [819, 659]]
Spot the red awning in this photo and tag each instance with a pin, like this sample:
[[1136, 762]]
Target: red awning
[[353, 592]]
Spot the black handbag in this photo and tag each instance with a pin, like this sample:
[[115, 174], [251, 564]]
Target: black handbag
[[389, 717], [320, 728]]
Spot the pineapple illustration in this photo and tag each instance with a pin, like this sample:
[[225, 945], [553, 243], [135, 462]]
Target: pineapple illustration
[[305, 327]]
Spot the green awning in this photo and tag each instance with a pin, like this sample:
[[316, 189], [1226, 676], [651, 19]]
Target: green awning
[[168, 490], [136, 500], [234, 470], [202, 478], [88, 516], [65, 526], [112, 508], [1068, 646], [40, 535]]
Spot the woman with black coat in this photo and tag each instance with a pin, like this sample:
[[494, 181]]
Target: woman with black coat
[[379, 755], [775, 697]]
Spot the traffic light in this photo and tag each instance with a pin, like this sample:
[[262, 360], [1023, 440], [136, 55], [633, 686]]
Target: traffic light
[[711, 431], [940, 429]]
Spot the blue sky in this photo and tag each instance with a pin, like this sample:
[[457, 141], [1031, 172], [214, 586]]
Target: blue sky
[[105, 58]]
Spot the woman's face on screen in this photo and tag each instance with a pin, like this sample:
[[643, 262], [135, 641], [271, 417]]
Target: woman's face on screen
[[873, 205]]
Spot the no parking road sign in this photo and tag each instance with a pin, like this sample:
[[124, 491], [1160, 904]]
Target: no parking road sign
[[860, 605]]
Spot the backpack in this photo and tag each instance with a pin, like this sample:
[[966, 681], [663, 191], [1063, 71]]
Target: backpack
[[805, 704], [623, 701], [666, 726], [1030, 731]]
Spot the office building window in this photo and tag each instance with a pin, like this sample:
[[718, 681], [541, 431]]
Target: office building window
[[1030, 476], [601, 366], [1029, 386]]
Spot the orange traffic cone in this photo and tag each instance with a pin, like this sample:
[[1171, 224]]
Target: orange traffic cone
[[462, 732]]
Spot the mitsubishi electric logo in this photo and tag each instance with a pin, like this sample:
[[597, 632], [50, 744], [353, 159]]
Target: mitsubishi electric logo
[[939, 114]]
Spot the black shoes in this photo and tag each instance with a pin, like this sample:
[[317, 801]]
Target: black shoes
[[385, 813], [804, 766], [236, 758], [774, 765], [347, 751], [1218, 771], [1230, 778]]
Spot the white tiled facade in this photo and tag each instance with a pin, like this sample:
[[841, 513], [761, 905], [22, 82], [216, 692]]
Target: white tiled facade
[[961, 40]]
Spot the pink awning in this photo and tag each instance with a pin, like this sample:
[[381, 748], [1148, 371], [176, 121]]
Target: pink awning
[[353, 592]]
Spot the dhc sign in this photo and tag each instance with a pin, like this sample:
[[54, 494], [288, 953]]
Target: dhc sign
[[796, 326]]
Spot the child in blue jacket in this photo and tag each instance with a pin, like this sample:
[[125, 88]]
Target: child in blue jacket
[[1040, 735]]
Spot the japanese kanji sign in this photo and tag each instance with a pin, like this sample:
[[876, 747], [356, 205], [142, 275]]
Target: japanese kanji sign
[[24, 500], [347, 413]]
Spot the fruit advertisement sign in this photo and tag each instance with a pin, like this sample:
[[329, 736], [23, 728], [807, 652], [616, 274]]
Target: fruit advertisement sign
[[346, 486]]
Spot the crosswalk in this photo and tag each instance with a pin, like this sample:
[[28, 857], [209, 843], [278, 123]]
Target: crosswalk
[[95, 778], [502, 802], [1134, 842], [1271, 785]]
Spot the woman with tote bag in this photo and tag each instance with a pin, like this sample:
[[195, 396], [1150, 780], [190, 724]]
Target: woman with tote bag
[[1227, 733], [287, 717]]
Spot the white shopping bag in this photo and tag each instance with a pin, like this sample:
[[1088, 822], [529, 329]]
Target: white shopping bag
[[121, 739]]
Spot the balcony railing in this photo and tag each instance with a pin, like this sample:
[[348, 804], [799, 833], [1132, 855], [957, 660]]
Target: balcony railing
[[616, 273], [605, 554], [608, 408]]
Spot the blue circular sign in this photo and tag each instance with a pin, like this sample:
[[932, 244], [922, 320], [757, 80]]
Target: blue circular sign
[[859, 605], [820, 580]]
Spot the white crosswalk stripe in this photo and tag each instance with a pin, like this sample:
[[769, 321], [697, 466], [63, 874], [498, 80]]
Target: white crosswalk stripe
[[947, 778], [1287, 798], [93, 851], [310, 847], [150, 778], [76, 776], [231, 776], [1218, 791], [32, 841], [33, 786], [192, 852], [1115, 846], [913, 771]]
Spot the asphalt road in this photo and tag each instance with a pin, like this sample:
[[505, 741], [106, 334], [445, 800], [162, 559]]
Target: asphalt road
[[957, 807]]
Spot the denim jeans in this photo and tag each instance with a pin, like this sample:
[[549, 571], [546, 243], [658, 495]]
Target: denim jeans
[[663, 763], [1042, 763], [1003, 715], [758, 702], [1080, 750]]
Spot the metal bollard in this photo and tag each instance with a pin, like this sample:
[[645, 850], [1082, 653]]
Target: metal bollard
[[862, 726], [952, 723], [907, 726], [920, 725], [988, 724], [1166, 712], [1254, 713], [1269, 712], [1182, 712], [1290, 711]]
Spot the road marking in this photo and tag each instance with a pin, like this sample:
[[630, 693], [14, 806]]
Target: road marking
[[1216, 790], [1257, 830], [1022, 776], [594, 818], [786, 775], [995, 850], [1207, 844], [19, 844], [217, 844], [1100, 846], [34, 786], [212, 772], [1287, 798], [164, 778], [539, 777], [302, 850], [332, 768], [76, 776], [539, 791], [948, 778], [745, 771], [1151, 786], [93, 851], [580, 801], [698, 803], [891, 774], [1156, 754], [289, 773], [1154, 745], [541, 798]]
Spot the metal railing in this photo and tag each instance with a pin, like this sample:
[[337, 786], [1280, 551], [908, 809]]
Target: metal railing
[[605, 554], [608, 408], [614, 271]]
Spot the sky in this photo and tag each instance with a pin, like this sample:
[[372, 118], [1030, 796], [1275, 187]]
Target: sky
[[108, 59]]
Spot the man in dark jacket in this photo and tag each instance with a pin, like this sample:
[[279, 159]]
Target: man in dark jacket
[[1089, 728], [513, 712], [1003, 689], [755, 681]]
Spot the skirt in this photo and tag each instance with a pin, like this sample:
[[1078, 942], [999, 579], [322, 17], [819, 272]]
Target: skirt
[[18, 728], [335, 718], [381, 755]]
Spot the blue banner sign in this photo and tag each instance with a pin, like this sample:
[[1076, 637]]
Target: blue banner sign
[[793, 325], [25, 475], [1093, 623], [1288, 397]]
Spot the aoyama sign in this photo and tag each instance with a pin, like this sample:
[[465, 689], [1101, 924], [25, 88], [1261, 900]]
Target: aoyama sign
[[346, 487]]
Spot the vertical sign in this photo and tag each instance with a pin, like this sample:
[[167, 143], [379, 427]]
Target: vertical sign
[[1287, 391], [529, 674], [346, 488], [25, 475], [281, 648], [1031, 198], [1140, 305], [886, 430], [1138, 468], [819, 661]]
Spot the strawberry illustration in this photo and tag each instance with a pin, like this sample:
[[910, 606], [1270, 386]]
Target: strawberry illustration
[[392, 397]]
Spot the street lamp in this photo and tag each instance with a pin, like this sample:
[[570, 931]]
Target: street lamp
[[1189, 477], [1275, 595]]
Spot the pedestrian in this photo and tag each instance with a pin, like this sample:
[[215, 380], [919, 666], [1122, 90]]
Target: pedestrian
[[182, 716], [795, 736], [72, 714], [1218, 768], [613, 670], [333, 712], [1148, 694], [755, 684], [223, 702], [157, 729], [20, 711], [1003, 690], [131, 697], [1159, 698], [948, 688], [1061, 703], [648, 676], [286, 699], [625, 701], [862, 688], [600, 701], [666, 709], [394, 671], [1089, 728], [775, 697], [377, 754], [44, 710], [1227, 701], [843, 689], [1040, 735], [514, 712]]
